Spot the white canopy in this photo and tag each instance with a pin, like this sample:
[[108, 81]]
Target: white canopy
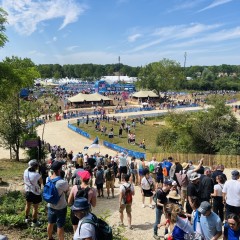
[[144, 94], [95, 97]]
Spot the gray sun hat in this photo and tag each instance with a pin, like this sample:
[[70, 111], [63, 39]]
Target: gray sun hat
[[194, 176], [33, 163]]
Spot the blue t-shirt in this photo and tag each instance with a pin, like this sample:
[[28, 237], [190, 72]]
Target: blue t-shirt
[[210, 225], [167, 165], [231, 234]]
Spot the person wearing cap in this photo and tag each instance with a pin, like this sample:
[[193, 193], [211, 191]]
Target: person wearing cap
[[57, 212], [32, 179], [82, 210], [86, 191], [231, 194], [192, 190], [210, 222], [161, 200]]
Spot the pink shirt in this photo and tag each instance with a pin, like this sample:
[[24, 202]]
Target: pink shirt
[[92, 193]]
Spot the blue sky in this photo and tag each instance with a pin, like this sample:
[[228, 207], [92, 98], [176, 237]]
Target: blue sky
[[139, 31]]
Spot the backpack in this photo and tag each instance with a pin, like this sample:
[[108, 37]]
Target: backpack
[[128, 195], [164, 170], [159, 169], [132, 165], [102, 230], [109, 175], [50, 192], [182, 178], [82, 192], [151, 168]]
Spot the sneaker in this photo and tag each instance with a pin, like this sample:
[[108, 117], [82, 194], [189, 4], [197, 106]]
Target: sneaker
[[130, 227], [27, 220], [143, 205], [153, 206], [36, 224]]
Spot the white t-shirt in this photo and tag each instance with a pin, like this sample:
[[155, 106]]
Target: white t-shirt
[[87, 230], [31, 182], [122, 161], [219, 187], [232, 190], [122, 188], [146, 183]]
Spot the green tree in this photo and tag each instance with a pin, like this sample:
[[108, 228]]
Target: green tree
[[161, 76], [3, 21], [17, 74]]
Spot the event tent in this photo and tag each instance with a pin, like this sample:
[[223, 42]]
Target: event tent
[[95, 97], [145, 94]]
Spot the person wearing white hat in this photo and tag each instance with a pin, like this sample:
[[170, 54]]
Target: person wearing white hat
[[32, 179]]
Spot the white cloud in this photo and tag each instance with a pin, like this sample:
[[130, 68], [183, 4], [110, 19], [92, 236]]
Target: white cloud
[[176, 32], [134, 37], [36, 53], [26, 15], [54, 39], [214, 4], [71, 48], [185, 5]]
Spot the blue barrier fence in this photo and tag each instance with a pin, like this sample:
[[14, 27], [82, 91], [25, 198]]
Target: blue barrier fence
[[108, 144], [134, 110], [78, 130], [117, 148]]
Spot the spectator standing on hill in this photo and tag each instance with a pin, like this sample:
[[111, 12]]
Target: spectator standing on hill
[[32, 179], [57, 212], [192, 190], [147, 185], [210, 222], [152, 168], [217, 172], [122, 165], [125, 199], [109, 177], [133, 170], [99, 181], [161, 194], [218, 205], [82, 190], [231, 194], [206, 185]]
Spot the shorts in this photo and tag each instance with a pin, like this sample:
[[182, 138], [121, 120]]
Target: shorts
[[74, 219], [99, 186], [147, 193], [110, 184], [159, 179], [127, 206], [57, 216], [140, 172], [33, 198], [123, 170]]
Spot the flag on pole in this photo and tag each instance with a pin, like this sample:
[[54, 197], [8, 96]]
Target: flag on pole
[[95, 144]]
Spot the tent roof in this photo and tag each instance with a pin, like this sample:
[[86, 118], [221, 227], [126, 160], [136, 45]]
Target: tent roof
[[95, 97], [144, 94]]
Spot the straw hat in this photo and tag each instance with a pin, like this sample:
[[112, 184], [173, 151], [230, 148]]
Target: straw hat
[[185, 165], [174, 195]]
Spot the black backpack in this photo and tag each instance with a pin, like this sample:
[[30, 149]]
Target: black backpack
[[82, 192], [102, 230], [159, 169], [132, 165]]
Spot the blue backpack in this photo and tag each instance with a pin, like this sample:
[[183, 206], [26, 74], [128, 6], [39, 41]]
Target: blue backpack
[[50, 192]]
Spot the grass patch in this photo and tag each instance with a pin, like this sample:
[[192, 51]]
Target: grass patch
[[11, 169], [146, 131]]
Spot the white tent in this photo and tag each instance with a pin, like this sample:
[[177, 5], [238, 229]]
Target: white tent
[[95, 97], [145, 94]]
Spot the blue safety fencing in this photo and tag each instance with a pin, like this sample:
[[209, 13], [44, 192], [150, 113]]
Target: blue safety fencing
[[186, 106], [134, 109], [78, 130], [80, 114], [231, 101], [117, 148]]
